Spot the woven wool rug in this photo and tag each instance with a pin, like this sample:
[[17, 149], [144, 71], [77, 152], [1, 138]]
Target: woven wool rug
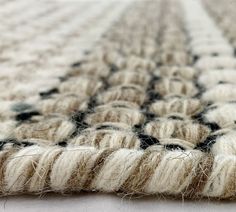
[[132, 97]]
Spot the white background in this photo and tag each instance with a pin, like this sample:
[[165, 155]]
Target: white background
[[107, 202]]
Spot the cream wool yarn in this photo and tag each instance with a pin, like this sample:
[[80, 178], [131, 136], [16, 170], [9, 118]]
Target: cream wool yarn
[[213, 77], [209, 62], [99, 99], [223, 114], [220, 93]]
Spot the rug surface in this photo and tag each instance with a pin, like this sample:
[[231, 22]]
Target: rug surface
[[133, 97]]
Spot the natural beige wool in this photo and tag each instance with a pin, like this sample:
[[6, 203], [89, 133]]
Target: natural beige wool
[[176, 58], [115, 114], [88, 68], [82, 85], [39, 180], [14, 166], [128, 97], [113, 170], [108, 135], [174, 165], [53, 129], [190, 133], [63, 104], [118, 104], [130, 92], [128, 77], [113, 56], [187, 72], [76, 156], [169, 38], [175, 87], [170, 46], [174, 105], [224, 169], [138, 63]]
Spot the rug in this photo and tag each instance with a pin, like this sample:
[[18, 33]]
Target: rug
[[129, 97]]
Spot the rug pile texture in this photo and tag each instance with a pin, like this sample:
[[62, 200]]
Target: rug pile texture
[[132, 97]]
